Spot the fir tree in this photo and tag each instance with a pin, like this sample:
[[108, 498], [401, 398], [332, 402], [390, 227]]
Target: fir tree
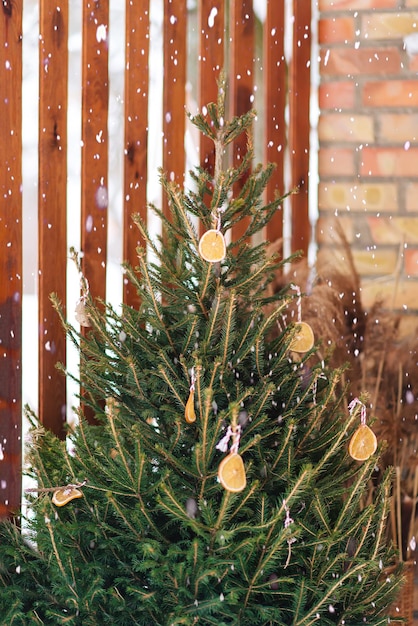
[[154, 533]]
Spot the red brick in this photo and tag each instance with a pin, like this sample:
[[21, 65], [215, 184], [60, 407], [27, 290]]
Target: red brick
[[337, 95], [411, 261], [349, 5], [395, 230], [379, 197], [336, 29], [412, 197], [398, 127], [396, 162], [375, 261], [336, 162], [346, 127], [388, 25], [413, 63], [354, 62], [391, 93]]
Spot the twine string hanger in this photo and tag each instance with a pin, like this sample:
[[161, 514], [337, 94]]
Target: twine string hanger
[[353, 405], [298, 301], [59, 488], [222, 445], [192, 379], [287, 522]]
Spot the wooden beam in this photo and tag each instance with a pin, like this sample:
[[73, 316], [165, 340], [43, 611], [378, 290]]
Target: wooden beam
[[211, 62], [174, 91], [299, 131], [275, 99], [94, 154], [52, 207], [10, 257], [136, 132], [242, 35]]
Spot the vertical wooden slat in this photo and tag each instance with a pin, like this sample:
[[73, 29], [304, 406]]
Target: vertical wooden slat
[[299, 103], [275, 78], [94, 155], [242, 35], [136, 131], [174, 90], [52, 216], [10, 256], [211, 62]]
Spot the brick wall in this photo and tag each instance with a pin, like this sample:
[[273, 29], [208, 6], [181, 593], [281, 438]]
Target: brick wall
[[368, 140]]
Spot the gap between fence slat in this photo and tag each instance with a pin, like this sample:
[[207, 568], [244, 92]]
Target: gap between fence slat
[[300, 89], [135, 132], [52, 207], [10, 257]]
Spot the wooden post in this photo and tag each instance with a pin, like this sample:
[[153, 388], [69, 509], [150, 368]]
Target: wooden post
[[275, 78], [211, 62], [94, 155], [10, 257], [241, 79], [52, 207], [136, 132], [299, 131], [174, 91]]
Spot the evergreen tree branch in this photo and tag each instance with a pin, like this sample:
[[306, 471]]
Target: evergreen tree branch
[[300, 485], [111, 410], [228, 328]]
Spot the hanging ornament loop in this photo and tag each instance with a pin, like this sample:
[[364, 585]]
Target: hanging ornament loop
[[298, 301], [235, 435], [353, 405], [192, 379]]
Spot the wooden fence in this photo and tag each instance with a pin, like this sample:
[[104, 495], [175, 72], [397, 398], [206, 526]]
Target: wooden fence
[[227, 34]]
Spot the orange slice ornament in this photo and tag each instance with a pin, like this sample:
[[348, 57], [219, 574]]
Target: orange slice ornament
[[303, 339], [65, 495], [363, 442], [212, 247], [189, 412], [231, 470], [231, 473]]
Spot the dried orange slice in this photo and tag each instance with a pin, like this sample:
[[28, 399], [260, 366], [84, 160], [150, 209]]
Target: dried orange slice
[[303, 339], [212, 246], [189, 412], [63, 496], [231, 473], [363, 443]]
